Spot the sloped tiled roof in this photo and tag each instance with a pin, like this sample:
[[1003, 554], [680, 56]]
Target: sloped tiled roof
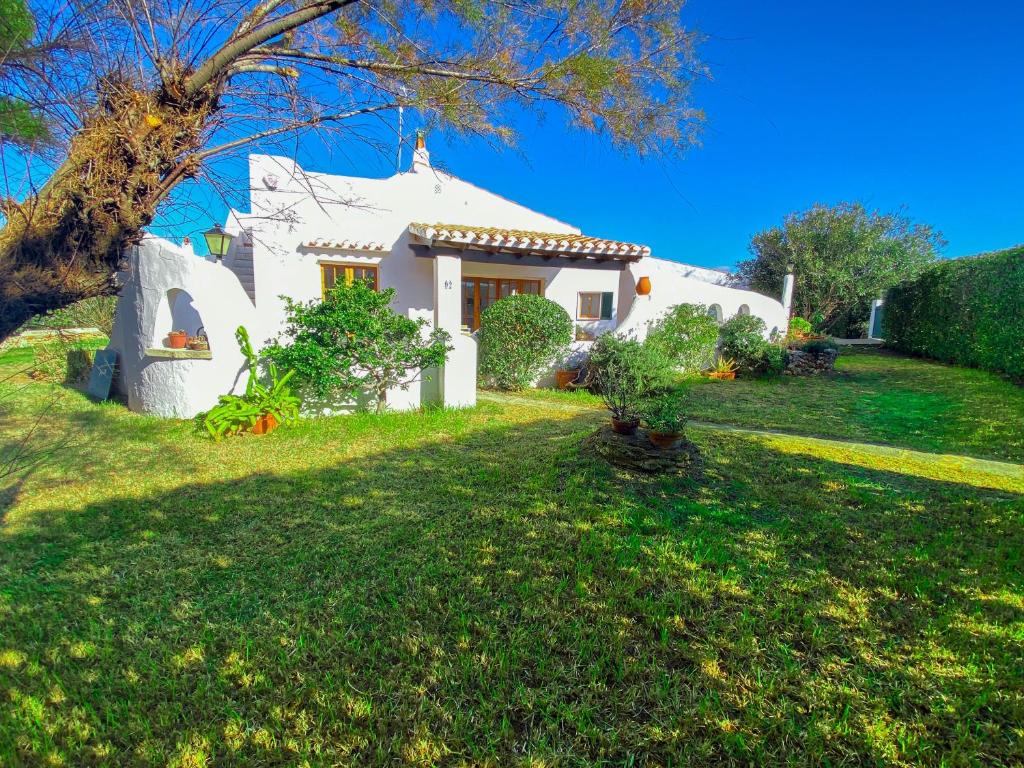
[[497, 239]]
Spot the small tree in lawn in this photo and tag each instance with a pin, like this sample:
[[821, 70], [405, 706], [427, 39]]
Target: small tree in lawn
[[353, 341]]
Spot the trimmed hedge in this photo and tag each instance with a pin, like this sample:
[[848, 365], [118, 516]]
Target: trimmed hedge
[[967, 311]]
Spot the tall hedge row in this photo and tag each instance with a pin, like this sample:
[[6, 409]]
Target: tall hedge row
[[966, 311]]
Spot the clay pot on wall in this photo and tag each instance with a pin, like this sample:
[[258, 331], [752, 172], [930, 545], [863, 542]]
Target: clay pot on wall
[[643, 286], [177, 339]]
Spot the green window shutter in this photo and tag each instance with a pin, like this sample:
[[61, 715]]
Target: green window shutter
[[606, 306]]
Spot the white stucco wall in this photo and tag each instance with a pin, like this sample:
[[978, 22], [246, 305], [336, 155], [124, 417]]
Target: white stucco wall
[[673, 283], [178, 387]]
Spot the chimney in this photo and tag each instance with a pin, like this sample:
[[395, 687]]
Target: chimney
[[420, 156], [787, 290]]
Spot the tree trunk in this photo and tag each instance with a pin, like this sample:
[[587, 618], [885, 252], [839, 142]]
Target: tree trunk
[[65, 243], [382, 399]]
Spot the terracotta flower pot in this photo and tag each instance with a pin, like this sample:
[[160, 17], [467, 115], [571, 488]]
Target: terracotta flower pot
[[624, 427], [663, 439], [723, 375], [177, 339], [265, 424], [564, 378], [643, 286]]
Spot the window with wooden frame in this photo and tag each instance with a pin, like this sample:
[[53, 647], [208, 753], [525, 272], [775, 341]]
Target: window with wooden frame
[[332, 274], [594, 306]]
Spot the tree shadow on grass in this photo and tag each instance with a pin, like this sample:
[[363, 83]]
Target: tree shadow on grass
[[498, 597]]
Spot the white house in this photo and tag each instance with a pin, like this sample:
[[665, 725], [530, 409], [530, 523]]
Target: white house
[[448, 247]]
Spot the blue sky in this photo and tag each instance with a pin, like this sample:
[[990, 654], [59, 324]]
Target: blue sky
[[905, 103]]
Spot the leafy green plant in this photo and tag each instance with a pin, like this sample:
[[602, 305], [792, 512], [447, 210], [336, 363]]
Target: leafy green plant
[[965, 311], [687, 334], [799, 328], [743, 340], [353, 342], [664, 413], [628, 371], [235, 413], [520, 336], [724, 365]]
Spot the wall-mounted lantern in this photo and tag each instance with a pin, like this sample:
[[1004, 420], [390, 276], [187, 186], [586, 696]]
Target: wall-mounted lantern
[[643, 286], [217, 240]]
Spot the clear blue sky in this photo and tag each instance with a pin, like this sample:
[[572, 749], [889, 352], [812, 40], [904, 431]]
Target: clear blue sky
[[900, 103]]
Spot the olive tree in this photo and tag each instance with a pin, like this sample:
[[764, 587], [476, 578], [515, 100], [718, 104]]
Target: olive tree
[[843, 256]]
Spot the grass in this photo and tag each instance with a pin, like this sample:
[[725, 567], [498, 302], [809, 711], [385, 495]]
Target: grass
[[874, 396], [464, 588]]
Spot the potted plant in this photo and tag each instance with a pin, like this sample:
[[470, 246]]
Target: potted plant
[[177, 339], [724, 370], [664, 419], [263, 406], [627, 371], [198, 342]]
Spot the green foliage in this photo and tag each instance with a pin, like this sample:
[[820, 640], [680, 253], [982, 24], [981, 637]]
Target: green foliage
[[966, 311], [520, 336], [353, 341], [666, 412], [17, 27], [235, 413], [96, 312], [628, 372], [799, 327], [743, 340], [687, 335], [844, 256]]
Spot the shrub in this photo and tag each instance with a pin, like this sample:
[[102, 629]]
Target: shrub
[[353, 341], [664, 413], [799, 328], [520, 336], [687, 334], [96, 312], [742, 339], [234, 413], [627, 372], [965, 311]]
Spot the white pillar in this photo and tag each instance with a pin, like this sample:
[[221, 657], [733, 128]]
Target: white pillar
[[457, 376], [787, 292]]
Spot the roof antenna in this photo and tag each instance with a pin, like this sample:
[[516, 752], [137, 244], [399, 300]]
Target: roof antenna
[[401, 111]]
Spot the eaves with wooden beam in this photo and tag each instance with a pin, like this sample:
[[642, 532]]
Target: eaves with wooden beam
[[522, 246]]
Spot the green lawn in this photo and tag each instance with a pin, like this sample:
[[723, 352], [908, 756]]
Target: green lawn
[[874, 396], [464, 588]]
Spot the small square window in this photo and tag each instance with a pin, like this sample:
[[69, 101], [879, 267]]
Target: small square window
[[594, 306]]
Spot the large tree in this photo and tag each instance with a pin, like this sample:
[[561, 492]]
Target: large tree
[[165, 87], [842, 256]]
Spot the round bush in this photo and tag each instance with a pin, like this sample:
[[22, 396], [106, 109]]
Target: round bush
[[743, 341], [687, 335], [520, 336]]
